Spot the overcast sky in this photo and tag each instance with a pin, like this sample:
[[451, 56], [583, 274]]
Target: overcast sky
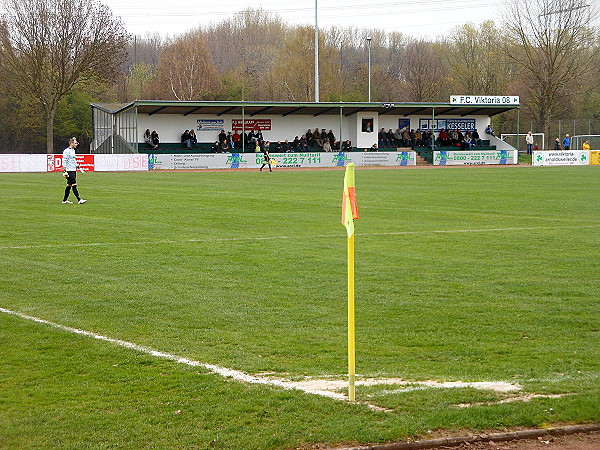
[[419, 18]]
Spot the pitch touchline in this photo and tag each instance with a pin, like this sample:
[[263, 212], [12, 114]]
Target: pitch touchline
[[262, 238], [325, 388]]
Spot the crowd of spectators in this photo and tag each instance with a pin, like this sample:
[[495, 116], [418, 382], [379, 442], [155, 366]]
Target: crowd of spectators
[[456, 138], [323, 140], [317, 140], [416, 138]]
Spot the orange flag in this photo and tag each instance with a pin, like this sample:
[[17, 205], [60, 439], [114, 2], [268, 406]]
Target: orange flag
[[349, 206]]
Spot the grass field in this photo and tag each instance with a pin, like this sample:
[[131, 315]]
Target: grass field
[[462, 274]]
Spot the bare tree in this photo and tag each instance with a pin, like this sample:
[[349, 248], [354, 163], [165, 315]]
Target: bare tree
[[552, 43], [476, 62], [423, 72], [50, 45], [186, 70]]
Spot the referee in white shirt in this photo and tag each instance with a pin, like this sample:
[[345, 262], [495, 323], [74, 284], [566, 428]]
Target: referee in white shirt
[[70, 167]]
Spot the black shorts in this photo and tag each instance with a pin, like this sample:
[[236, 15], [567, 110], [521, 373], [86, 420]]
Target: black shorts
[[72, 177]]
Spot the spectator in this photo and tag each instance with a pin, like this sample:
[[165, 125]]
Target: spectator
[[225, 146], [310, 139], [335, 145], [318, 138], [222, 136], [382, 138], [155, 139], [567, 142], [586, 146], [413, 137], [426, 137], [326, 145], [259, 135], [148, 138], [193, 138], [303, 144], [374, 148], [454, 138], [390, 137], [215, 147], [557, 144], [418, 138], [279, 147], [489, 130], [406, 138], [347, 146], [185, 139], [237, 140], [331, 136], [529, 141], [468, 138], [443, 137], [230, 140], [286, 147], [296, 144], [252, 138], [398, 138], [476, 140]]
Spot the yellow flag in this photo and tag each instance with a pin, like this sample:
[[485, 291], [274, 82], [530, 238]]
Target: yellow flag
[[349, 206]]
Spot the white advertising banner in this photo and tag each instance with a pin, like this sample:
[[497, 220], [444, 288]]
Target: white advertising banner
[[561, 158], [474, 158], [23, 163], [287, 160], [117, 163]]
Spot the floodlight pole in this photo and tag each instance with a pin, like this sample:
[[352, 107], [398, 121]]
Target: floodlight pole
[[316, 55], [369, 65]]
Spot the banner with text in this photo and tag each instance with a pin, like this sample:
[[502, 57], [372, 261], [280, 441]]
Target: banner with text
[[210, 124], [84, 161], [595, 157], [447, 124], [23, 163], [561, 158], [474, 158], [484, 99], [287, 160], [251, 124], [126, 163]]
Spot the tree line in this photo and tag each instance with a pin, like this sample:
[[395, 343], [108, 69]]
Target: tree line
[[51, 71]]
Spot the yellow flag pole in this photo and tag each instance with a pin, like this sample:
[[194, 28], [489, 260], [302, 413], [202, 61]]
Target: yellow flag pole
[[351, 344]]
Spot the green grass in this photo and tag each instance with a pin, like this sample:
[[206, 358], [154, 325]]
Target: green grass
[[472, 274]]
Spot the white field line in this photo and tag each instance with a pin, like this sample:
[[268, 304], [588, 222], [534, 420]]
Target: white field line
[[224, 372], [325, 388], [270, 238]]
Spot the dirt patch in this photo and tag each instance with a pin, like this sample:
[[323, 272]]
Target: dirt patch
[[575, 437], [579, 441]]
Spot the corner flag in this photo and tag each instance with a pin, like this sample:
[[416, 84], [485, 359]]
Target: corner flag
[[349, 206], [349, 213]]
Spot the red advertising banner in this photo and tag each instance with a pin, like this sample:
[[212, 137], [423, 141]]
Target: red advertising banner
[[251, 124], [85, 161]]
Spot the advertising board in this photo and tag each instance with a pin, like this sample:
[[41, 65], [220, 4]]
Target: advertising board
[[561, 158], [474, 158], [285, 160]]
